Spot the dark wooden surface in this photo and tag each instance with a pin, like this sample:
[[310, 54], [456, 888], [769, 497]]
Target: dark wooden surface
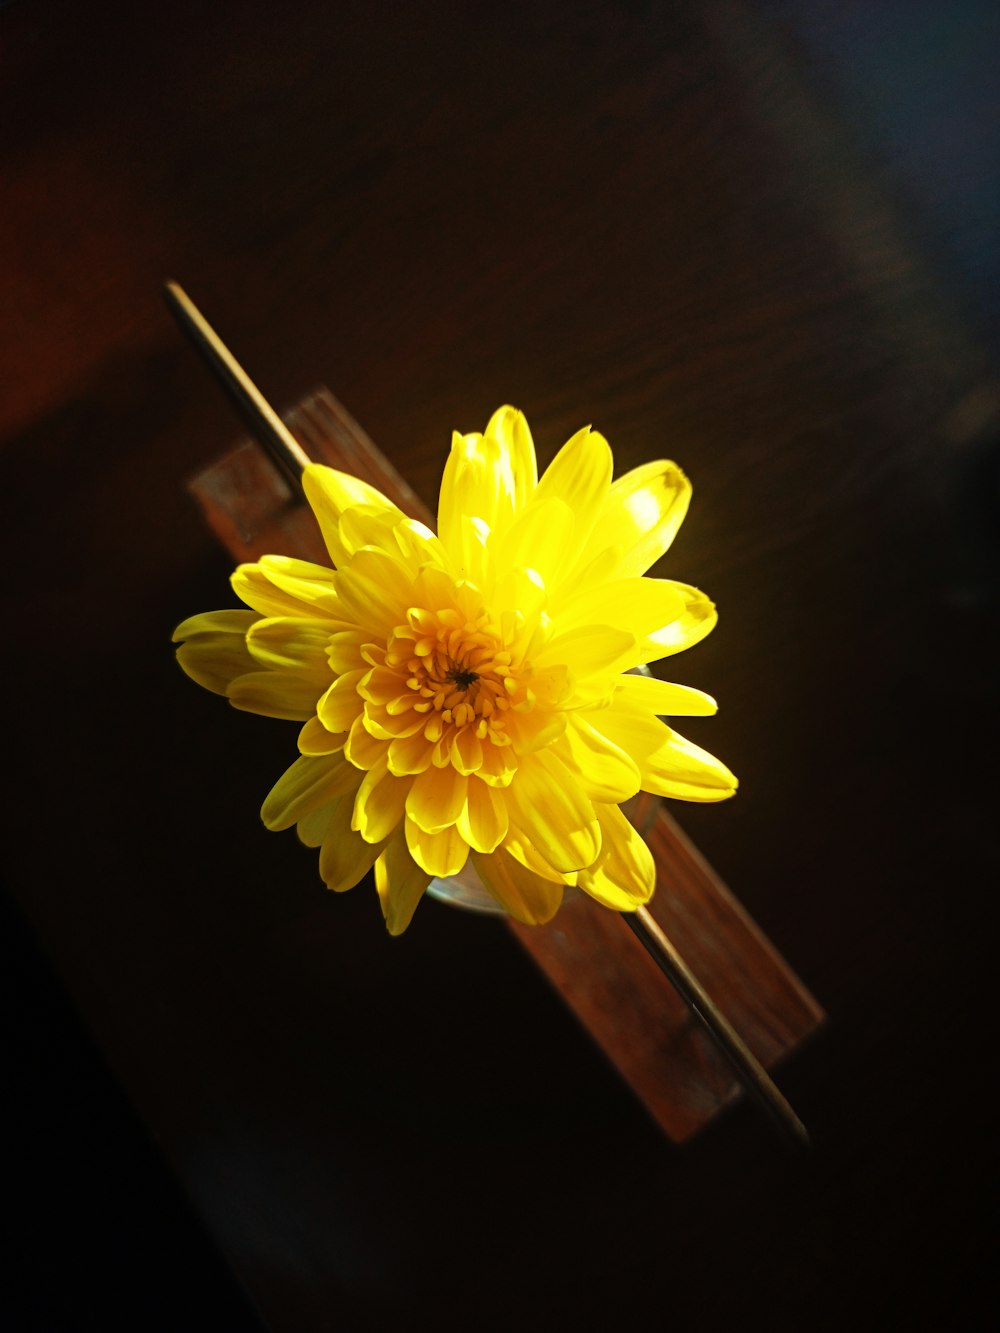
[[688, 226]]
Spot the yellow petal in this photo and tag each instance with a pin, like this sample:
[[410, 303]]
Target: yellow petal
[[510, 428], [382, 685], [286, 694], [311, 828], [380, 803], [410, 754], [400, 882], [487, 477], [525, 896], [439, 854], [483, 821], [580, 476], [361, 748], [235, 622], [550, 807], [364, 525], [311, 781], [345, 856], [534, 730], [641, 606], [696, 619], [603, 769], [314, 739], [215, 651], [329, 493], [291, 643], [437, 798], [344, 650], [374, 591], [467, 751], [686, 772], [663, 698], [587, 650], [643, 513], [278, 585], [536, 539], [341, 703], [521, 849], [417, 545], [670, 765], [624, 875]]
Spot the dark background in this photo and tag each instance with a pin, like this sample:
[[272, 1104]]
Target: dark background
[[758, 238]]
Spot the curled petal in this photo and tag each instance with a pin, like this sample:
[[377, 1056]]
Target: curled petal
[[440, 854], [409, 754], [527, 897], [644, 510], [669, 764], [696, 618], [341, 703], [361, 748], [400, 882], [483, 822], [314, 739], [329, 493], [624, 875], [686, 772], [380, 803]]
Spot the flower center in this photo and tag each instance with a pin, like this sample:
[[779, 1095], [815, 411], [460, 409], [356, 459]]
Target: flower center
[[463, 679], [456, 670]]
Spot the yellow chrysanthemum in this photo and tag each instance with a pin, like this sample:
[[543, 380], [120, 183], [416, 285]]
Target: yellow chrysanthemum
[[474, 692]]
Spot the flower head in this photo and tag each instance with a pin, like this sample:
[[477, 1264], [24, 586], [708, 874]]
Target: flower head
[[474, 692]]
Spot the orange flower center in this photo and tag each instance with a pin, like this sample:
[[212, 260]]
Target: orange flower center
[[455, 670]]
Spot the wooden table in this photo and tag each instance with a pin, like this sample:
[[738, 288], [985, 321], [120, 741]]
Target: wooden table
[[676, 226]]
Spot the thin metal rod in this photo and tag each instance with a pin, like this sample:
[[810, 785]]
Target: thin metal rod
[[257, 413], [750, 1071]]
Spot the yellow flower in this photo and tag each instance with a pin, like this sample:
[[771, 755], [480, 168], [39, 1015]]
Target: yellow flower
[[474, 692]]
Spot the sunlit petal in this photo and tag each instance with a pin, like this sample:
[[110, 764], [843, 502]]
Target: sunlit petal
[[624, 875], [663, 698], [527, 897], [329, 493], [552, 810]]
